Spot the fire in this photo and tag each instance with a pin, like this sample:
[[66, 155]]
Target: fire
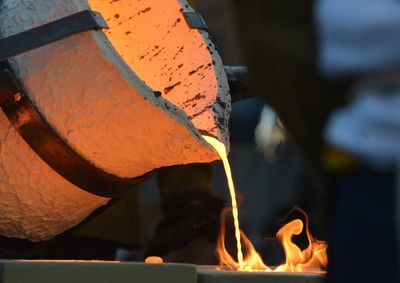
[[313, 258], [252, 261]]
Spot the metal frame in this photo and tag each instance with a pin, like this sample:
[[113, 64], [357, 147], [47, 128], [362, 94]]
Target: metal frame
[[195, 21], [49, 33], [240, 83]]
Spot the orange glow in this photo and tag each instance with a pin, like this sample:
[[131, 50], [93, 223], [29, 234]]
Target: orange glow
[[312, 259], [155, 41], [221, 150], [252, 261], [154, 260]]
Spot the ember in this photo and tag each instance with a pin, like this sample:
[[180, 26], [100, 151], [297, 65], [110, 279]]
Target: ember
[[312, 259], [154, 260]]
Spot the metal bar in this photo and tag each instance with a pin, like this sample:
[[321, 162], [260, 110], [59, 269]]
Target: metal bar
[[240, 83], [46, 143], [195, 21], [49, 33]]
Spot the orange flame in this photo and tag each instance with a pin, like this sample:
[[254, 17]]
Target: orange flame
[[312, 259], [251, 262]]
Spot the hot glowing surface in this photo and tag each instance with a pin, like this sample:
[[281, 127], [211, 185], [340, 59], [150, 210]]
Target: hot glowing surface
[[173, 59], [221, 150], [154, 260], [312, 259]]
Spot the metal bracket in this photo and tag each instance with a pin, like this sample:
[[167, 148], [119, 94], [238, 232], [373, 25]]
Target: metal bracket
[[195, 21], [49, 146], [49, 33], [240, 83]]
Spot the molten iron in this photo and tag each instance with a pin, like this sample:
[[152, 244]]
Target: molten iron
[[221, 150]]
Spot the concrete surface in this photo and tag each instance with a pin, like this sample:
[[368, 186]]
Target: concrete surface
[[94, 272], [99, 272]]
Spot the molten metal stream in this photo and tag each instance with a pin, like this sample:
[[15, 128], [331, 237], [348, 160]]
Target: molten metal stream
[[221, 150]]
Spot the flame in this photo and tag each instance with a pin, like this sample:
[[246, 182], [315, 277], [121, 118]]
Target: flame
[[252, 261], [313, 258]]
